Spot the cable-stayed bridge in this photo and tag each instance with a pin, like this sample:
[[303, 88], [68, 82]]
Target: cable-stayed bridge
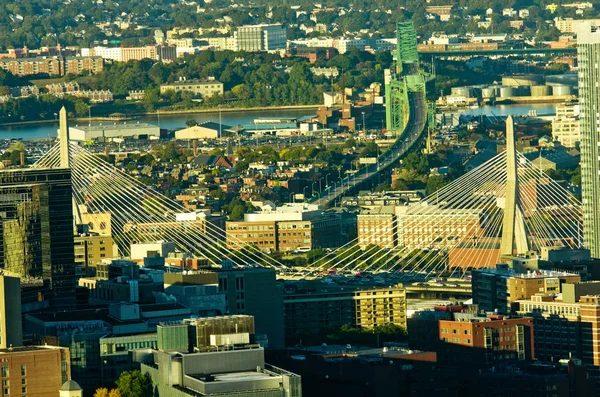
[[505, 206]]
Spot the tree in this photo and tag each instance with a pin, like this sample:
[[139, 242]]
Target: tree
[[191, 123], [135, 384], [104, 392], [114, 393], [241, 91]]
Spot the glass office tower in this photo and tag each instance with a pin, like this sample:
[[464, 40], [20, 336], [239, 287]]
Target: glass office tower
[[36, 230]]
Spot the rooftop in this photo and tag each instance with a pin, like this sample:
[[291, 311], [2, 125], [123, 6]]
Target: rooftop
[[104, 127], [24, 349], [187, 82], [530, 274]]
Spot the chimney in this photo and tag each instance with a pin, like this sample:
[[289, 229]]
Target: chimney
[[22, 158], [106, 152]]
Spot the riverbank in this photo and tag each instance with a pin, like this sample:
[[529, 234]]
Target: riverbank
[[228, 110], [164, 112]]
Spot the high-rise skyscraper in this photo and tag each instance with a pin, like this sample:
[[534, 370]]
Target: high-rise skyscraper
[[36, 229], [588, 53], [11, 324]]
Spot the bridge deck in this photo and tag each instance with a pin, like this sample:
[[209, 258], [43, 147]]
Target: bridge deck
[[412, 132]]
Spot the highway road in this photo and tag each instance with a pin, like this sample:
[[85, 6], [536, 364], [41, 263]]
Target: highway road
[[414, 128]]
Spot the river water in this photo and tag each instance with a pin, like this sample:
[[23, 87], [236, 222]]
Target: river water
[[517, 109], [171, 121], [176, 121]]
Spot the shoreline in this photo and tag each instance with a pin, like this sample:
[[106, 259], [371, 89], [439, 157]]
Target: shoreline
[[165, 112]]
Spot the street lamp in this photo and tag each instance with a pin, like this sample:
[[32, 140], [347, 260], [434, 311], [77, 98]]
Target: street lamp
[[291, 198], [304, 192], [364, 125]]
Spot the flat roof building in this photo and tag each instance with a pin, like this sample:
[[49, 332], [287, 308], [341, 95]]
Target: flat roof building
[[499, 288], [110, 132], [263, 37], [213, 356], [202, 88]]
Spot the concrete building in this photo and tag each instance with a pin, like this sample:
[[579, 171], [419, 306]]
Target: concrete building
[[574, 318], [220, 360], [109, 132], [255, 291], [286, 228], [570, 25], [138, 53], [222, 43], [149, 249], [198, 291], [378, 226], [11, 324], [588, 47], [205, 89], [264, 37], [285, 236], [309, 312], [113, 53], [499, 288], [99, 339], [565, 125], [90, 249]]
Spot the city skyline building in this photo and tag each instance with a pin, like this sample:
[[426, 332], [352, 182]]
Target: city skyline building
[[11, 324], [588, 53], [36, 223]]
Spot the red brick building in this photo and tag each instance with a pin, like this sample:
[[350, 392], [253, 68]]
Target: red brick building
[[472, 339]]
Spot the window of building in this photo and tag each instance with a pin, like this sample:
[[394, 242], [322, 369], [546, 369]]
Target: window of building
[[5, 372], [23, 370], [239, 283]]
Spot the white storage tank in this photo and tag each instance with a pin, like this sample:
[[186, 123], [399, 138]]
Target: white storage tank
[[540, 90], [506, 92], [489, 92], [521, 80], [461, 91], [561, 90]]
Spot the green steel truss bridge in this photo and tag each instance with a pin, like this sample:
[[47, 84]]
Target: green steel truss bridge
[[407, 114]]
